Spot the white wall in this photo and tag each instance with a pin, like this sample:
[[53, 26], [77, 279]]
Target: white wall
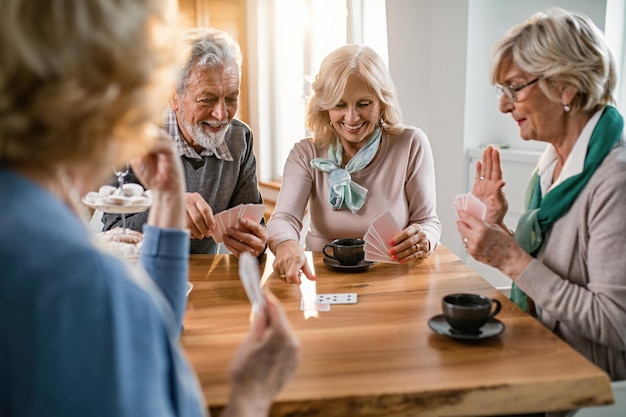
[[439, 59]]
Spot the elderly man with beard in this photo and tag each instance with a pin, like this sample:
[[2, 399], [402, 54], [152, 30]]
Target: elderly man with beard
[[216, 149]]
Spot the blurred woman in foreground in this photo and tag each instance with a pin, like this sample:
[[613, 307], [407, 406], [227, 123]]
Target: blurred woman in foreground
[[85, 333]]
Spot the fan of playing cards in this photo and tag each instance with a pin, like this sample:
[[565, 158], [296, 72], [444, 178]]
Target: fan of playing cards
[[230, 218], [378, 238], [470, 203]]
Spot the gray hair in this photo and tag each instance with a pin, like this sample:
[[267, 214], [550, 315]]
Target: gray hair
[[208, 48], [562, 49]]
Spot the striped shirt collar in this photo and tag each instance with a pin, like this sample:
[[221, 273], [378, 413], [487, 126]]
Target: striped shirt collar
[[170, 124]]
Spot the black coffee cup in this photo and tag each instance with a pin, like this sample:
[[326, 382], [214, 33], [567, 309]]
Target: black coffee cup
[[467, 313], [347, 252]]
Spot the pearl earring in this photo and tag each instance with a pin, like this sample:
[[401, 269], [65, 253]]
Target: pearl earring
[[566, 107]]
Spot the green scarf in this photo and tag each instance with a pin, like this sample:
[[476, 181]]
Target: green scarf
[[542, 213]]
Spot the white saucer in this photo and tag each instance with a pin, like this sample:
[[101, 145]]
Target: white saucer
[[361, 266], [492, 328], [112, 208]]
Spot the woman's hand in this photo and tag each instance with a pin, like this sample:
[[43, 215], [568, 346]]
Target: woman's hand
[[411, 243], [491, 245], [160, 170], [488, 186], [264, 361], [290, 262]]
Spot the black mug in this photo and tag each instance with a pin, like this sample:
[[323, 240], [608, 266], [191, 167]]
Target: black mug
[[348, 252], [467, 313]]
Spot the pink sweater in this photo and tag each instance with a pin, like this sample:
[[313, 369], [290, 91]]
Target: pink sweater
[[401, 179]]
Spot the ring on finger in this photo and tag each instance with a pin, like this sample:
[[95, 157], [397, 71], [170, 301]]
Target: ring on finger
[[481, 178]]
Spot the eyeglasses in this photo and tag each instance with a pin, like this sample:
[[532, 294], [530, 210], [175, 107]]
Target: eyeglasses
[[511, 92]]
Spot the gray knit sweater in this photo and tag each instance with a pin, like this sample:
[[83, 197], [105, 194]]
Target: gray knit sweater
[[223, 184]]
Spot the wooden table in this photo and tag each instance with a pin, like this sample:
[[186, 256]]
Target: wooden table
[[379, 356]]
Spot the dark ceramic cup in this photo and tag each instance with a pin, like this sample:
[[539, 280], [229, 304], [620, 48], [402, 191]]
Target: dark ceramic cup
[[347, 252], [467, 313]]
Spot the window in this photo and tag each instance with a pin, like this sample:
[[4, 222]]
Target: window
[[289, 41], [615, 31]]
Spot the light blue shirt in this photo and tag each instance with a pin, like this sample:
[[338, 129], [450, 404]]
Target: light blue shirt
[[83, 333]]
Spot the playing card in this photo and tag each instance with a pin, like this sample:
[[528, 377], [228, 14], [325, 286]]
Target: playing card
[[386, 227], [378, 237], [250, 278], [339, 298], [318, 306], [372, 256], [471, 204], [373, 242], [230, 218], [370, 248], [218, 234], [228, 223], [476, 207], [252, 212], [459, 202]]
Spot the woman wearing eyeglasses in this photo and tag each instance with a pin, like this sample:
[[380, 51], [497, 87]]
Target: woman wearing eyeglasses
[[556, 77]]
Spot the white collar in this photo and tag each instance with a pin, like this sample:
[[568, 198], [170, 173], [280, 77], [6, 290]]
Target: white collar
[[575, 161]]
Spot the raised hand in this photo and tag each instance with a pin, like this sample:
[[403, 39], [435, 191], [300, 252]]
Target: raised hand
[[488, 186], [160, 171]]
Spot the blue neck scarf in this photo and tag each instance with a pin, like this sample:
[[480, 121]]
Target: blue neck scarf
[[343, 191]]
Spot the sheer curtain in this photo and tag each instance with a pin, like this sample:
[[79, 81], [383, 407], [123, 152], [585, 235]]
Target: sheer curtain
[[287, 41]]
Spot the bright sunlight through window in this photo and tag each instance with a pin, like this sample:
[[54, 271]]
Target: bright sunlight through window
[[300, 33]]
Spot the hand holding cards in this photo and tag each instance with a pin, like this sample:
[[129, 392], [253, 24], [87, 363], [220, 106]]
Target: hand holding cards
[[378, 237], [470, 203], [230, 218]]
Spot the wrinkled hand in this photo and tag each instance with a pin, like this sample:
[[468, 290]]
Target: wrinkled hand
[[412, 243], [263, 363], [491, 245], [200, 220], [248, 236], [160, 170], [488, 186], [290, 262]]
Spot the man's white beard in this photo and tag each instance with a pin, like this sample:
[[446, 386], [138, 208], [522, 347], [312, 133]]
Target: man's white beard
[[206, 140]]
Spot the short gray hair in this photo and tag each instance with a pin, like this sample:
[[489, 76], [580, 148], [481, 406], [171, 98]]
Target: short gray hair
[[208, 48], [561, 48]]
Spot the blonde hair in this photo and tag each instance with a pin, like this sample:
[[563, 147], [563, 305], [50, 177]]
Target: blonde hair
[[330, 83], [81, 80], [562, 49]]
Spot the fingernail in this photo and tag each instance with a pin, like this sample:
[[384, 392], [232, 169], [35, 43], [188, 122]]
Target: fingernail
[[392, 252]]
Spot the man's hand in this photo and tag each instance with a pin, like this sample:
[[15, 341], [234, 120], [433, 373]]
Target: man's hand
[[200, 220], [247, 236]]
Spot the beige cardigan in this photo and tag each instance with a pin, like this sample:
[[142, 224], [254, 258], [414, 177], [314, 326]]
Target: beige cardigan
[[401, 179], [579, 278]]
